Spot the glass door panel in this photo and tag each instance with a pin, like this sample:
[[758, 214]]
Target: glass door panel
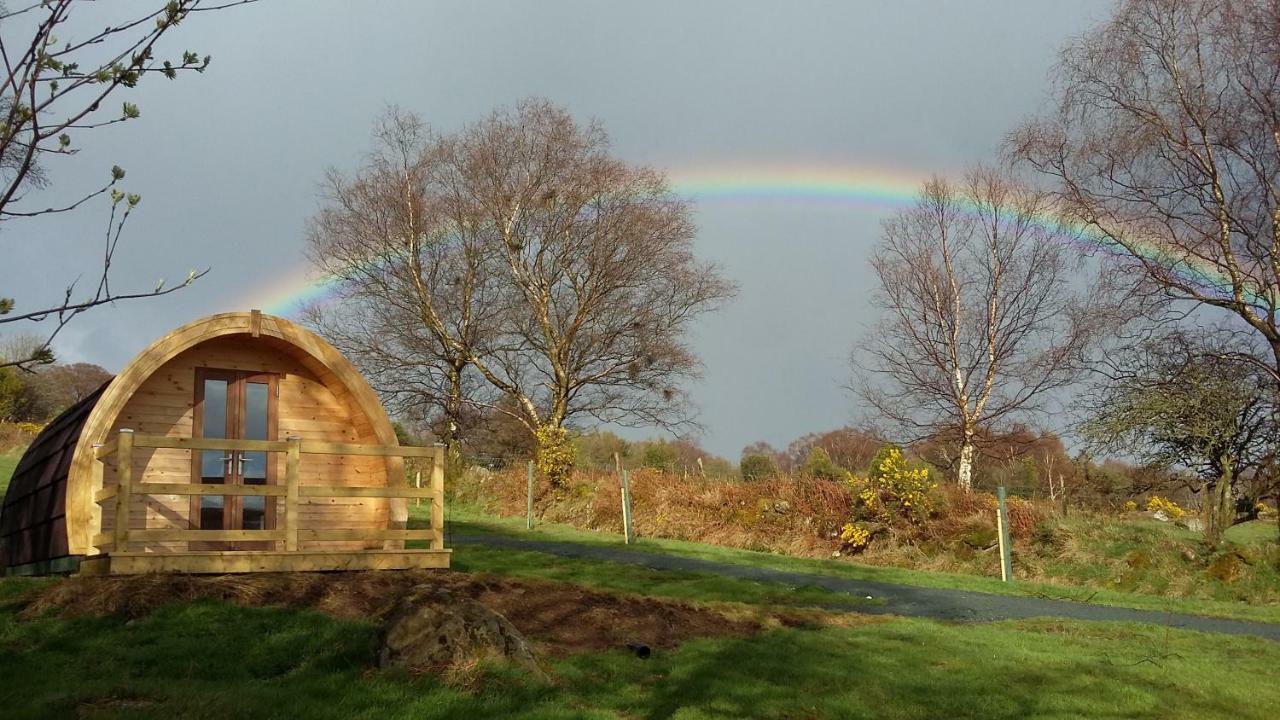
[[253, 465], [215, 465], [233, 405]]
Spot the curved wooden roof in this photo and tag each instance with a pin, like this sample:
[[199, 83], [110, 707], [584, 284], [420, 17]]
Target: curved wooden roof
[[33, 524], [80, 508]]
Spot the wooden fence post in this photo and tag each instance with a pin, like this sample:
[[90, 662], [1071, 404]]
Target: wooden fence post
[[292, 460], [124, 481], [627, 533], [528, 513], [1002, 529], [437, 498]]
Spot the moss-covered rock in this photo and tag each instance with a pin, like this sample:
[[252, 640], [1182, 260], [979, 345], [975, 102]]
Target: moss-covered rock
[[1249, 554], [1138, 559], [1227, 568]]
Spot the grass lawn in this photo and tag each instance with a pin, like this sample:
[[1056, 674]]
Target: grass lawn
[[1254, 532], [463, 519], [8, 463], [216, 660]]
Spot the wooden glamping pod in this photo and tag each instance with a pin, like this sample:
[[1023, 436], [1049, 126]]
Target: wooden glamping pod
[[240, 442]]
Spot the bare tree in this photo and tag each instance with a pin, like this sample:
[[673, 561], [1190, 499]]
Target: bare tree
[[415, 290], [1165, 146], [981, 321], [526, 254], [54, 88]]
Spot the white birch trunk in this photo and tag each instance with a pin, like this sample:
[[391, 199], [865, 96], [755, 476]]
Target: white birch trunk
[[964, 473]]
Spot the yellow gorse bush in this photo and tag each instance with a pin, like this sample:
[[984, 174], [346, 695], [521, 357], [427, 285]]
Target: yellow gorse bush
[[855, 537], [898, 491], [555, 453], [1165, 505], [1130, 506]]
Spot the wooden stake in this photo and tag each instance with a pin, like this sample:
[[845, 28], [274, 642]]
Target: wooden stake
[[627, 533], [528, 513], [1006, 545]]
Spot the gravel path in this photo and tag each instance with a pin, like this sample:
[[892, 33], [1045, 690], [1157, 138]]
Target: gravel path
[[892, 599]]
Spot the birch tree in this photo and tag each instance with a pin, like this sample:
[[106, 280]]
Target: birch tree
[[560, 276], [1164, 143], [981, 320]]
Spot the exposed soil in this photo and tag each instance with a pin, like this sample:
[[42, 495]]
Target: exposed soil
[[559, 617]]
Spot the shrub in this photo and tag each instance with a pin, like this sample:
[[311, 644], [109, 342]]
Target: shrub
[[1167, 506], [877, 461], [820, 465], [855, 537], [555, 454], [659, 456], [895, 491], [757, 467], [1130, 506]]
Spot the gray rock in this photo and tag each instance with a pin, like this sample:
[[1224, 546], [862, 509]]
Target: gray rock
[[432, 629]]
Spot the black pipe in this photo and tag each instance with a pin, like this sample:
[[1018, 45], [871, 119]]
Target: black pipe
[[641, 650]]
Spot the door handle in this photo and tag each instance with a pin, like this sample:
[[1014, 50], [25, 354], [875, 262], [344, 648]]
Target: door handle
[[226, 464]]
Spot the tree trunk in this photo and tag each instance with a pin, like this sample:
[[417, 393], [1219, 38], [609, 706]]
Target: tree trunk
[[964, 472], [1218, 510]]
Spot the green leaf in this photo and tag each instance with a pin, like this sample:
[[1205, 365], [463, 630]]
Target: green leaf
[[134, 199], [64, 140], [131, 111], [117, 173]]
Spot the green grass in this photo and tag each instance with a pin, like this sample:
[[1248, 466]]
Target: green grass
[[1254, 532], [8, 463], [615, 577], [465, 519], [215, 660]]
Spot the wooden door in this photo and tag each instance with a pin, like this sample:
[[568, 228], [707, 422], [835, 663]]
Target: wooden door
[[240, 405]]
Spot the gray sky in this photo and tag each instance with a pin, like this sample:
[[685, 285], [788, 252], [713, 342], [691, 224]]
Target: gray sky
[[228, 162]]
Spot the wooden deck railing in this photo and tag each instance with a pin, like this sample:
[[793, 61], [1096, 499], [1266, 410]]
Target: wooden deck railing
[[119, 495]]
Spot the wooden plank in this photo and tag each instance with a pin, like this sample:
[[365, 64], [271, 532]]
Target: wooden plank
[[105, 493], [95, 566], [291, 496], [210, 489], [102, 540], [274, 561], [106, 450], [176, 535], [318, 447], [366, 534], [349, 491], [186, 443], [437, 499], [124, 478]]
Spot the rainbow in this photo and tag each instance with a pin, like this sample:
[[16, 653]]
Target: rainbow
[[854, 187]]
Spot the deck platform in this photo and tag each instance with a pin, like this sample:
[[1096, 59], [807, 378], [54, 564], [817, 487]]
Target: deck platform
[[241, 561]]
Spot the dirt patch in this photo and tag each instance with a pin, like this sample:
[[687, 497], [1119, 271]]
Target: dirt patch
[[560, 617]]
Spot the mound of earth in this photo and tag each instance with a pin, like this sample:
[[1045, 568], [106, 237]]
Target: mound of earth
[[560, 618], [433, 629]]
